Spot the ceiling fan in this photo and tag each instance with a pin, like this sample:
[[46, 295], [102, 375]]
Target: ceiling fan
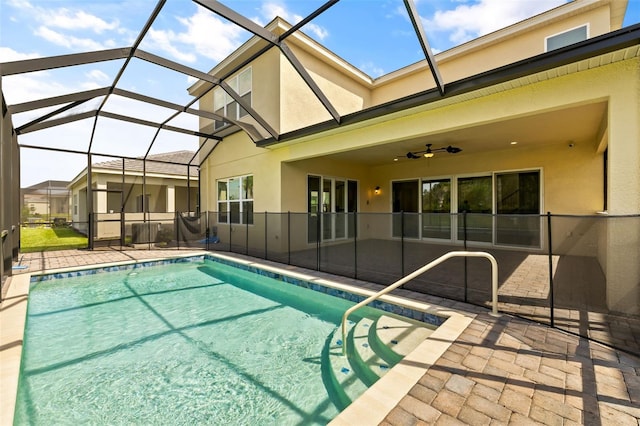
[[430, 152]]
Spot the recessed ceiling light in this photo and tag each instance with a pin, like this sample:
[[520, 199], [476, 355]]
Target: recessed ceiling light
[[514, 142], [395, 159]]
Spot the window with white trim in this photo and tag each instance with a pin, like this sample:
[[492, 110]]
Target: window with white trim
[[224, 105], [235, 200], [566, 38]]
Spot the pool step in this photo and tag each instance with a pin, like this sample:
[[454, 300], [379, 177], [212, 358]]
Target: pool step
[[374, 346], [367, 363], [401, 335]]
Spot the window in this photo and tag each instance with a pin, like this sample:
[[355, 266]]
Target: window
[[235, 200], [566, 38], [224, 105], [75, 204]]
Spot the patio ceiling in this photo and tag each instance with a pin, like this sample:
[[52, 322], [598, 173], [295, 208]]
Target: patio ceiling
[[93, 110], [527, 131]]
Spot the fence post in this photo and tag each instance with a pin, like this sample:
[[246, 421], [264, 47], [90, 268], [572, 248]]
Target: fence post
[[466, 281], [177, 222], [91, 231], [289, 237], [551, 301], [402, 245], [355, 244], [318, 228], [246, 231]]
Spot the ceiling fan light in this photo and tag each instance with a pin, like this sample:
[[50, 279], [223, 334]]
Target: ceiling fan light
[[428, 154]]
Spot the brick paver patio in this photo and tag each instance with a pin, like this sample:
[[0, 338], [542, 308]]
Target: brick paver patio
[[502, 370]]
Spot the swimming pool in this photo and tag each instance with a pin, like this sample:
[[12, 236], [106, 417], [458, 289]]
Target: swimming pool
[[165, 363]]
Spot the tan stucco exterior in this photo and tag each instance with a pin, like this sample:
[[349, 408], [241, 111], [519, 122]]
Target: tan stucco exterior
[[577, 124]]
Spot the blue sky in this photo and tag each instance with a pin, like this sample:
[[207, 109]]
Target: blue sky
[[373, 35]]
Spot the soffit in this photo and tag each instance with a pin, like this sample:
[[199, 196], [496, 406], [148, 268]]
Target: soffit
[[530, 132]]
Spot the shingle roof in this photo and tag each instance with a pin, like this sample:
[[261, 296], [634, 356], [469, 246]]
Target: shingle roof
[[179, 158], [49, 184]]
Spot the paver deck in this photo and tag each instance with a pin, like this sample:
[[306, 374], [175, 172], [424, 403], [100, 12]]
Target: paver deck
[[502, 370]]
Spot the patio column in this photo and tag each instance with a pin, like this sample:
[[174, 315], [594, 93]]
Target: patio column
[[101, 198], [622, 268], [171, 198]]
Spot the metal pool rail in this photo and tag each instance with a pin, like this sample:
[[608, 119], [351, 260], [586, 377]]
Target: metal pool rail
[[420, 271]]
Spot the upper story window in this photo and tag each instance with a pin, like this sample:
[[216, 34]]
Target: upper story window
[[566, 38], [225, 105]]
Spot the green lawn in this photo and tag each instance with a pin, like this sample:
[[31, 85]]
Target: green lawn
[[43, 239]]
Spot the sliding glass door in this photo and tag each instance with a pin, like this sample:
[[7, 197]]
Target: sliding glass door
[[518, 208], [436, 209], [406, 217], [332, 203], [475, 220]]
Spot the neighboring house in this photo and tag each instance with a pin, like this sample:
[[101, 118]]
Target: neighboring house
[[118, 189], [545, 112], [49, 199]]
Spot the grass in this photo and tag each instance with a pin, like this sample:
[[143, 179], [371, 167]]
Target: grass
[[44, 239]]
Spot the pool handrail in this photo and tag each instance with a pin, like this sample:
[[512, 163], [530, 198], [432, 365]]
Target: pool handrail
[[420, 271]]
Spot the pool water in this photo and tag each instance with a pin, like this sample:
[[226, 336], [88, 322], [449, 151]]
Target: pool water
[[184, 343]]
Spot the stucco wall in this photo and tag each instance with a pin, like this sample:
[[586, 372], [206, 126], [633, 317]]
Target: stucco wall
[[236, 156], [573, 177], [466, 60], [345, 94]]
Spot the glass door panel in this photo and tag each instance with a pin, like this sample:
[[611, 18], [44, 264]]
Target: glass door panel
[[474, 198], [436, 209], [352, 206], [313, 207], [405, 197], [340, 208], [518, 209], [327, 208]]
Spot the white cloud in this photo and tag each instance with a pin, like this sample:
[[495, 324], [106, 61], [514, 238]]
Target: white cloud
[[468, 21], [75, 20], [90, 85], [20, 4], [164, 40], [69, 41], [204, 34], [9, 55], [98, 76], [57, 23], [22, 88], [65, 18], [372, 69], [271, 9]]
